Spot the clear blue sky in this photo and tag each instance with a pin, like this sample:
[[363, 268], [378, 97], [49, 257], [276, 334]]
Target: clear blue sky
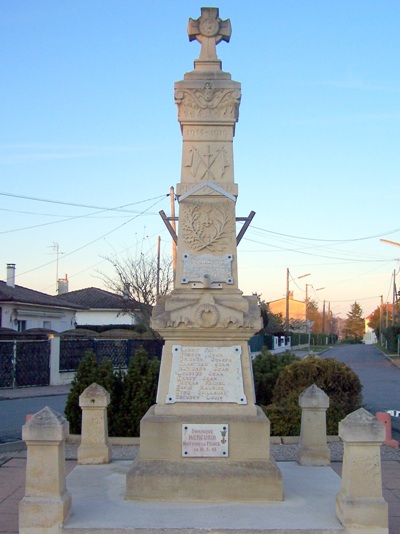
[[89, 124]]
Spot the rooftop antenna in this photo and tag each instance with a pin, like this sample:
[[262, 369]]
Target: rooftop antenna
[[56, 250]]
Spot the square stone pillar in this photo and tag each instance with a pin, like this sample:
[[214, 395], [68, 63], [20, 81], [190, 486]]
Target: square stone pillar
[[359, 502], [313, 448], [47, 503], [95, 447]]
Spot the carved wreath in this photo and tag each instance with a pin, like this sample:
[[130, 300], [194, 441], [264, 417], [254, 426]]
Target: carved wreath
[[207, 227], [206, 315]]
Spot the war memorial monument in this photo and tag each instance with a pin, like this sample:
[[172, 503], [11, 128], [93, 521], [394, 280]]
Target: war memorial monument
[[204, 464], [206, 439]]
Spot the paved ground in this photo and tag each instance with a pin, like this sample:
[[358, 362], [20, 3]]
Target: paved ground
[[13, 465]]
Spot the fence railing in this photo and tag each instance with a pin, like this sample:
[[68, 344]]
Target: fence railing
[[53, 361], [119, 351], [24, 363]]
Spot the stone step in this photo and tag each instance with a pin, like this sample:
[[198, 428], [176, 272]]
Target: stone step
[[99, 506]]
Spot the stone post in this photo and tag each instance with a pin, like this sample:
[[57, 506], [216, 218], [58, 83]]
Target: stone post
[[313, 449], [47, 503], [95, 447], [359, 502]]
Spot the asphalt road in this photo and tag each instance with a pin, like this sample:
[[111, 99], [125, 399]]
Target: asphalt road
[[13, 413], [380, 378]]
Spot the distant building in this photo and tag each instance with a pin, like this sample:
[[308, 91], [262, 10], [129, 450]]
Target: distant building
[[22, 308], [369, 336], [99, 307], [297, 312]]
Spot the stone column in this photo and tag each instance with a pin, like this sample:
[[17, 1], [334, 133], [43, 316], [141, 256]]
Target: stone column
[[95, 447], [47, 503], [313, 449], [359, 502]]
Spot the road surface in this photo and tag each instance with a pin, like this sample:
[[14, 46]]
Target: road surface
[[380, 377], [13, 413]]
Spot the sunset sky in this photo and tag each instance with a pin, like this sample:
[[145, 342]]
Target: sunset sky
[[90, 143]]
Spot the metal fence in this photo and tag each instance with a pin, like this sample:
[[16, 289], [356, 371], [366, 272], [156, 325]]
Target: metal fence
[[24, 363], [119, 351]]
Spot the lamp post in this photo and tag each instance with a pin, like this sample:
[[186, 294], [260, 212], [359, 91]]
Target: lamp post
[[287, 298]]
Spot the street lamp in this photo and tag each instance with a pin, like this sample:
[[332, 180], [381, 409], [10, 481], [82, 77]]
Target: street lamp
[[287, 297]]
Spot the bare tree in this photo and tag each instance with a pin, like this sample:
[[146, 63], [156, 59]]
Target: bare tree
[[137, 279]]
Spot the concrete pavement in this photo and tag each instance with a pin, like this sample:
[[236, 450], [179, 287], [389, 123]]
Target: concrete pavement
[[13, 466]]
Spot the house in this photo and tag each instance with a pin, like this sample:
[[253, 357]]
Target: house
[[99, 307], [22, 308], [369, 336], [297, 311]]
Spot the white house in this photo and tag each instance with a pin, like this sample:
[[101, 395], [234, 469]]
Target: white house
[[98, 307], [22, 308]]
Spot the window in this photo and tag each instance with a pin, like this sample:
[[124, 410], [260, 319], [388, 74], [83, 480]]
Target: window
[[21, 326]]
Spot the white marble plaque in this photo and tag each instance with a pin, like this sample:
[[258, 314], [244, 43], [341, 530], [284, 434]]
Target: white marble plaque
[[215, 268], [205, 441], [206, 374]]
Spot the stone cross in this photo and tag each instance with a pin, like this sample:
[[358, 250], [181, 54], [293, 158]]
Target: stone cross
[[209, 30]]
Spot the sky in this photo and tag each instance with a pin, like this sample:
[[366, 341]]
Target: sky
[[90, 144]]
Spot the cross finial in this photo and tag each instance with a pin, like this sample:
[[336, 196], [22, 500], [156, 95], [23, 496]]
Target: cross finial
[[209, 30]]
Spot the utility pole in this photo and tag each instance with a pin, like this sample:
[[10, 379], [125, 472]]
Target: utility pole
[[173, 224], [323, 319], [381, 321], [287, 303], [158, 265], [394, 296]]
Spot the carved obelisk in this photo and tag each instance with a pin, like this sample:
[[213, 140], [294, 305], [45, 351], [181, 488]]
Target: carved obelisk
[[205, 439]]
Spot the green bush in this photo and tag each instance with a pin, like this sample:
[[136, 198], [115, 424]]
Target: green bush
[[85, 375], [131, 393], [139, 392], [266, 369], [336, 379]]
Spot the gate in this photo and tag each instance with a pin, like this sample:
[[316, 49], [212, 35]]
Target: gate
[[24, 363]]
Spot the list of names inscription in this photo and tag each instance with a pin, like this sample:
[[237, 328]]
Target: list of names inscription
[[206, 374]]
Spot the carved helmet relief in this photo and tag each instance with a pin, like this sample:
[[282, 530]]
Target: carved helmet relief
[[208, 102]]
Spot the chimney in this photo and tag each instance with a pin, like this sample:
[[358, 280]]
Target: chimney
[[62, 285], [11, 274]]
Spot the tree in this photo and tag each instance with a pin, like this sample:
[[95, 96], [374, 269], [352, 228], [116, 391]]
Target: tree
[[382, 315], [313, 314], [354, 327], [272, 323], [137, 279]]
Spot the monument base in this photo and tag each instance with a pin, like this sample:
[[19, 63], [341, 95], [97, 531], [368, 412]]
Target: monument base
[[161, 472], [309, 506]]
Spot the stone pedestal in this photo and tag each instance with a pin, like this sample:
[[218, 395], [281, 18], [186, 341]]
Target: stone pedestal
[[205, 439], [95, 447], [47, 502], [360, 502], [313, 448]]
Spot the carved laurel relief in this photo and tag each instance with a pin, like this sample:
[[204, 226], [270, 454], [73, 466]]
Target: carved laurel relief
[[208, 227], [208, 102]]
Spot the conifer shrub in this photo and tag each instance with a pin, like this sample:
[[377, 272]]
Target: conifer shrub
[[336, 379], [139, 392], [131, 393], [266, 369]]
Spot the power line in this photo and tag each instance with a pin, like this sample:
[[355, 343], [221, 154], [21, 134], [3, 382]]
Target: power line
[[94, 240], [50, 201], [80, 216], [329, 240]]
